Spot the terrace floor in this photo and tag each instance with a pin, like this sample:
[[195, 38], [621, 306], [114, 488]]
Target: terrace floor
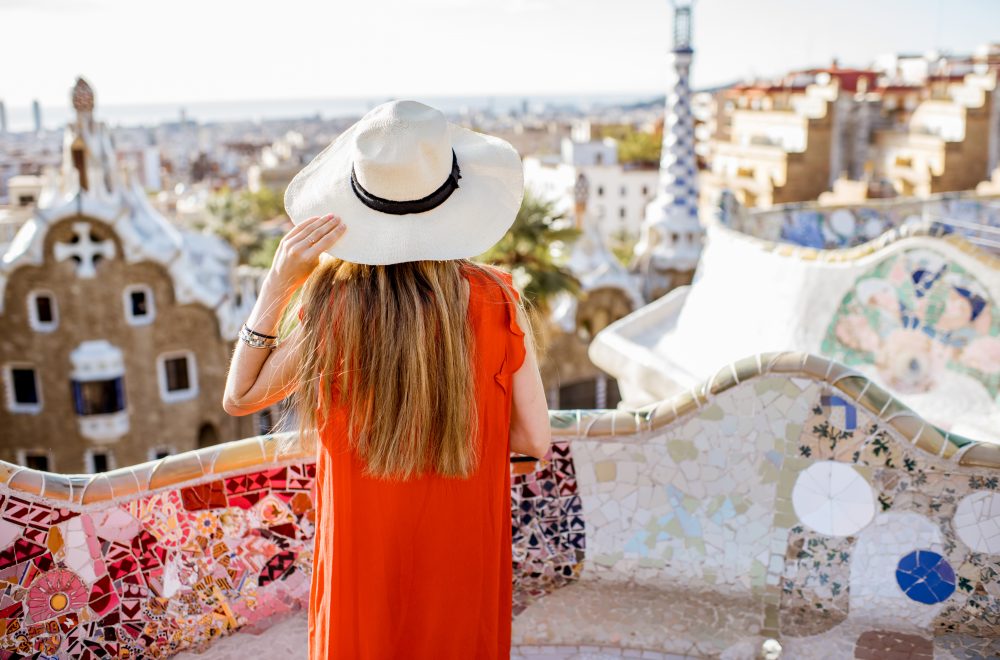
[[287, 640]]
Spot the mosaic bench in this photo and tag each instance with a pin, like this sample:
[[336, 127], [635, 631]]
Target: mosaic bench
[[825, 226], [914, 311], [787, 501]]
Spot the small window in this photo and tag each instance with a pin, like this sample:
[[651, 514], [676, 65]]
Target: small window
[[99, 397], [139, 307], [178, 377], [98, 461], [621, 212], [624, 191], [600, 191], [208, 436], [44, 309], [177, 374], [43, 313], [645, 191], [23, 392], [35, 460]]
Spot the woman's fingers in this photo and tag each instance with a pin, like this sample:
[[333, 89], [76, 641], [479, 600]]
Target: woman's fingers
[[327, 241], [306, 226], [321, 230], [310, 234]]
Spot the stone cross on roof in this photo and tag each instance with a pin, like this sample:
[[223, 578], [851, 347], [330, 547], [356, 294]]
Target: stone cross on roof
[[84, 250]]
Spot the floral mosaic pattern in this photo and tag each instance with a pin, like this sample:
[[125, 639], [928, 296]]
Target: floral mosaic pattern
[[815, 582], [914, 316], [179, 568]]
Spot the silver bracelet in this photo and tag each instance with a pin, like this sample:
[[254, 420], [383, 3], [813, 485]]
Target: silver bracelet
[[256, 339]]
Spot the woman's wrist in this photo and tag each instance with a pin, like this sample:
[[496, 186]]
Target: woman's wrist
[[272, 299], [277, 286]]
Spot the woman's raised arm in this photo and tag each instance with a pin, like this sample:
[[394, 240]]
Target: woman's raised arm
[[259, 377]]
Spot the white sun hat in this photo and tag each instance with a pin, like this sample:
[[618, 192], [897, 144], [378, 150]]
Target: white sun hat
[[410, 186]]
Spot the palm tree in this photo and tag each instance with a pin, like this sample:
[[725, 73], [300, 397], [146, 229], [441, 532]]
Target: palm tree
[[526, 251]]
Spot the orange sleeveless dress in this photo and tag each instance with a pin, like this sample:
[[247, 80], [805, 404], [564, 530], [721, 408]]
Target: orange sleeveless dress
[[422, 568]]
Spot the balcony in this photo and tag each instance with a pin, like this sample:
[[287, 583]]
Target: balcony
[[786, 503]]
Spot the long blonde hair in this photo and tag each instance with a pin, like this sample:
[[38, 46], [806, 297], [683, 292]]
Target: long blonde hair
[[394, 346]]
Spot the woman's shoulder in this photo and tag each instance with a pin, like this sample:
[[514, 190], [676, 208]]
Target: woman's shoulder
[[492, 292], [490, 278]]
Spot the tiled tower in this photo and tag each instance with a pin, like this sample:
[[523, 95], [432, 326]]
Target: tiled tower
[[671, 239]]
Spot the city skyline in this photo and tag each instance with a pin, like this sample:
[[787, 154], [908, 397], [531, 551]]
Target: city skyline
[[211, 53]]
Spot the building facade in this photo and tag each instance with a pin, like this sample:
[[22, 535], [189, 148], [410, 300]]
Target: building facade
[[909, 126], [790, 140], [947, 141], [619, 192], [118, 326]]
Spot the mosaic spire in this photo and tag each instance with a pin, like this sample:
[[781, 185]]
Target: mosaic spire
[[672, 236]]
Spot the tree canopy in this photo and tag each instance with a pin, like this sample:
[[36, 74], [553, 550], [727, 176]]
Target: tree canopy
[[526, 250]]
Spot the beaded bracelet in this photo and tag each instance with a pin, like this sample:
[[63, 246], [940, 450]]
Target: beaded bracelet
[[255, 339]]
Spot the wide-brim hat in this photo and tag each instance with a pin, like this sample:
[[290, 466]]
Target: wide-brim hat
[[411, 186]]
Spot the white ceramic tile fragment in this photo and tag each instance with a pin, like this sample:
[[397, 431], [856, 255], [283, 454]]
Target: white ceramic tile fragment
[[977, 521], [833, 498]]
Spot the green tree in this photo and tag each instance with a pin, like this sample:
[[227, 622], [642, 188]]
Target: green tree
[[526, 251], [622, 245], [639, 148], [239, 217], [635, 147]]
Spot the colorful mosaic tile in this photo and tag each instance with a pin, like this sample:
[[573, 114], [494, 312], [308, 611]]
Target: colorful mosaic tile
[[777, 507], [786, 502], [548, 528], [179, 568], [828, 228], [916, 317]]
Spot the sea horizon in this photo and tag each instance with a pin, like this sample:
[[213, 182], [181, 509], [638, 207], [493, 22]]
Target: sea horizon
[[20, 119]]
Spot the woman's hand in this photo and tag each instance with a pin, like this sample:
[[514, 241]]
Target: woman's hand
[[298, 252]]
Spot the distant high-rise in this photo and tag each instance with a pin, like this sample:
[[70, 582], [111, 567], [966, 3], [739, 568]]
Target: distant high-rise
[[36, 111], [3, 118]]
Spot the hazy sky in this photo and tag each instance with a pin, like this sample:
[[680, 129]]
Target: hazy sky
[[137, 51]]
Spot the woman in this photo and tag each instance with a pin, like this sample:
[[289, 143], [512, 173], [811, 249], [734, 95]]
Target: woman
[[412, 364]]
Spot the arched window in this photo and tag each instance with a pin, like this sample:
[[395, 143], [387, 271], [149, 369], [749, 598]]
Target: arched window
[[207, 435]]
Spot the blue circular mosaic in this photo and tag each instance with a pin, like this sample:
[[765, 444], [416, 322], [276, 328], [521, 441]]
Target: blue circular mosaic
[[925, 576]]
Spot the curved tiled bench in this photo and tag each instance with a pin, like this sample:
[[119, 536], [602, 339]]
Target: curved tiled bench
[[914, 310], [832, 226], [700, 526]]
